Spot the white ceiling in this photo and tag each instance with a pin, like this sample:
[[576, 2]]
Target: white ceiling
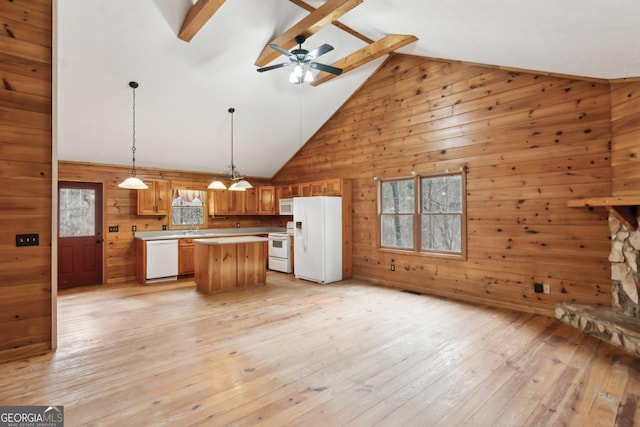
[[186, 88]]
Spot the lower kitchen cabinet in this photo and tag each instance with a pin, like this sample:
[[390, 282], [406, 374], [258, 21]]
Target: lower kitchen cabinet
[[186, 257]]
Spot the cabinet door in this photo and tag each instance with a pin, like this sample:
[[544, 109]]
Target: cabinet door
[[317, 188], [333, 187], [251, 201], [267, 200], [147, 199], [306, 189], [163, 197], [236, 202], [186, 257], [155, 199], [221, 202]]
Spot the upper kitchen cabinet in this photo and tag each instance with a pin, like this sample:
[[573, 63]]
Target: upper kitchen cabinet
[[267, 200], [250, 201], [287, 191], [328, 187], [155, 199], [225, 202]]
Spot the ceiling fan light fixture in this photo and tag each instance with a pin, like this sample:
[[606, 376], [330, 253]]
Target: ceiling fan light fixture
[[308, 76], [133, 182]]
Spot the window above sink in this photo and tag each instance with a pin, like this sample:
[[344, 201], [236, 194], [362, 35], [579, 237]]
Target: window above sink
[[188, 207]]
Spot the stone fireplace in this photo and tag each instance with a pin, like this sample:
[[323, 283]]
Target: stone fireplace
[[619, 324]]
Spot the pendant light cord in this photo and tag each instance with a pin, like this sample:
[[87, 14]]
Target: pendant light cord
[[134, 85], [233, 166]]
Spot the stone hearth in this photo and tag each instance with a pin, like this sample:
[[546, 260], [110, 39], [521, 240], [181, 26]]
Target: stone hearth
[[619, 325]]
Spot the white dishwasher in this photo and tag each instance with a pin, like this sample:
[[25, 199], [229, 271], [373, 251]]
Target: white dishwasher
[[162, 260]]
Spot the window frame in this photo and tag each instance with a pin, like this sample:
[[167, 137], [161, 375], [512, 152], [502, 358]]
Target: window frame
[[418, 215]]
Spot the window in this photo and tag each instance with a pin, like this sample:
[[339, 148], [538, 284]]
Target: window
[[187, 207], [423, 214]]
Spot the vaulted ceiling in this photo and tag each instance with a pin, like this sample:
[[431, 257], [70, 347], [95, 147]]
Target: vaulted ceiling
[[186, 87]]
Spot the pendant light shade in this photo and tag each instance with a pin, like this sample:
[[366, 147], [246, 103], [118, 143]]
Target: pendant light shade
[[133, 182], [239, 183]]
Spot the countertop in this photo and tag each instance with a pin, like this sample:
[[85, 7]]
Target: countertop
[[230, 240], [206, 233]]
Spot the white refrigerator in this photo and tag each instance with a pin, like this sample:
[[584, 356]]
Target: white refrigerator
[[317, 238]]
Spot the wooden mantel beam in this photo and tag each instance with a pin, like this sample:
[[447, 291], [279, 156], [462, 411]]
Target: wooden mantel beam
[[311, 24], [197, 16], [624, 208], [367, 54]]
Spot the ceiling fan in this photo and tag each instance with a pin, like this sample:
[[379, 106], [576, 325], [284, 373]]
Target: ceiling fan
[[303, 61]]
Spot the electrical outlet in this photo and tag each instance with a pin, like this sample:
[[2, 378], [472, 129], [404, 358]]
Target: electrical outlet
[[134, 228], [164, 227], [113, 229], [537, 288], [546, 288], [238, 225], [393, 267], [27, 239]]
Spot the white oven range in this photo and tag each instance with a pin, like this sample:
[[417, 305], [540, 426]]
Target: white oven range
[[280, 252]]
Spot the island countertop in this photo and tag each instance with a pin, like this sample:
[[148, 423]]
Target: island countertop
[[230, 240], [205, 233]]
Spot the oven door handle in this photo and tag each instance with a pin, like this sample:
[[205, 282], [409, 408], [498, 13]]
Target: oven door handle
[[278, 239]]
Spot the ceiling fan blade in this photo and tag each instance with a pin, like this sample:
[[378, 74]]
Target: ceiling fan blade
[[273, 67], [281, 50], [327, 68], [320, 50]]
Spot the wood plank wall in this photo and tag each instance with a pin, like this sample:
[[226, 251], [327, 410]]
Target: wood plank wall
[[25, 176], [530, 142], [121, 209], [625, 123]]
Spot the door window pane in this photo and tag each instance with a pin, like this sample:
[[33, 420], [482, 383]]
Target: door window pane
[[77, 212]]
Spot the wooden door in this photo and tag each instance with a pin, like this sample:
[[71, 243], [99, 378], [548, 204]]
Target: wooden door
[[80, 240]]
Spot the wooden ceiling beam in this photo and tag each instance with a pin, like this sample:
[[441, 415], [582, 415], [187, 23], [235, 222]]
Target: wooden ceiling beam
[[197, 16], [311, 24], [337, 24], [367, 54]]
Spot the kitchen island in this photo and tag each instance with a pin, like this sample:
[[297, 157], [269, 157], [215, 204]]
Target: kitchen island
[[230, 263]]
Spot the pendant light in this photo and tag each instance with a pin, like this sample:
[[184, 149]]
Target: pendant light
[[133, 182], [239, 184]]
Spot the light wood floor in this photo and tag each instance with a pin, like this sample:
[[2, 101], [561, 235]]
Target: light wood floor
[[302, 354]]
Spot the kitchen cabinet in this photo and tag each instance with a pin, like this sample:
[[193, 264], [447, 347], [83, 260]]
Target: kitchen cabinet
[[306, 189], [230, 263], [328, 187], [332, 187], [155, 199], [267, 200], [251, 201], [185, 257], [287, 191], [225, 202]]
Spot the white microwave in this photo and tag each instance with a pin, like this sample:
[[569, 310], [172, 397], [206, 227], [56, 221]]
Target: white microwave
[[286, 207]]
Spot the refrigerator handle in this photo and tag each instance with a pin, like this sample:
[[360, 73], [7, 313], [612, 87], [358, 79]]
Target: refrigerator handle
[[305, 231]]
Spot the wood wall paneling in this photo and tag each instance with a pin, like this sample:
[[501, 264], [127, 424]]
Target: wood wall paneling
[[530, 142], [26, 177], [625, 123]]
